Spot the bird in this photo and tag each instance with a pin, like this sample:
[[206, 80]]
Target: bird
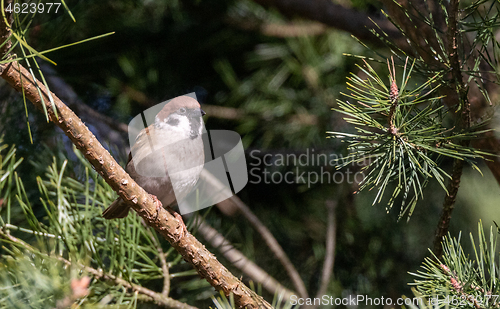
[[167, 157]]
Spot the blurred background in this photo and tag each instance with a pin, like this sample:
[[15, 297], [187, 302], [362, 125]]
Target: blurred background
[[274, 79]]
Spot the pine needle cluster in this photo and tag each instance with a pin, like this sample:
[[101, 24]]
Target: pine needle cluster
[[400, 135], [461, 281]]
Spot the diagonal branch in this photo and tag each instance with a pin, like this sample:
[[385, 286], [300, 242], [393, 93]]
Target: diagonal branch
[[161, 220], [264, 232], [239, 260], [253, 271]]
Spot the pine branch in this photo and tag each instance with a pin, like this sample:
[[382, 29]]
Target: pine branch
[[400, 133], [427, 27], [161, 220], [420, 27], [159, 298], [448, 206], [463, 106], [459, 279], [233, 204]]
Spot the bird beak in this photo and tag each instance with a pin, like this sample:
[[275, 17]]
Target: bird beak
[[202, 112]]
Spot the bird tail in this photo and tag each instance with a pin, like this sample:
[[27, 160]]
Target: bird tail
[[117, 209]]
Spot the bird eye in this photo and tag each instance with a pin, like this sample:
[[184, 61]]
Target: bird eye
[[182, 110]]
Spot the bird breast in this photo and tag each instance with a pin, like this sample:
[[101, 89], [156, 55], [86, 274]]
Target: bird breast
[[165, 163]]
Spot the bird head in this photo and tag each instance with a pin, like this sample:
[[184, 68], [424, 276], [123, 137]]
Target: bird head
[[182, 115]]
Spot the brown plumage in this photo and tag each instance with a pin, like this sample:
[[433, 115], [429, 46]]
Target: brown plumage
[[167, 156]]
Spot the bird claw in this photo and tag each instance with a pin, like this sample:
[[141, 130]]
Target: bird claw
[[173, 212]]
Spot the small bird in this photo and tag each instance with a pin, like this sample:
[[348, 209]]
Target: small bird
[[167, 157]]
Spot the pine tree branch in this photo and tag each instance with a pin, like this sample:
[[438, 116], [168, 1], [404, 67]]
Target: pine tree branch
[[421, 36], [423, 39], [229, 205], [158, 298], [464, 122], [160, 219], [448, 206]]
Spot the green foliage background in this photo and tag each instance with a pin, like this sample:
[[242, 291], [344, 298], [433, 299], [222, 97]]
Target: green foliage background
[[162, 49]]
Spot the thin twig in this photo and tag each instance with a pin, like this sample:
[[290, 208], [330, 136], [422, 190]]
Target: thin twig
[[164, 265], [239, 260], [264, 232], [330, 249], [158, 298]]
